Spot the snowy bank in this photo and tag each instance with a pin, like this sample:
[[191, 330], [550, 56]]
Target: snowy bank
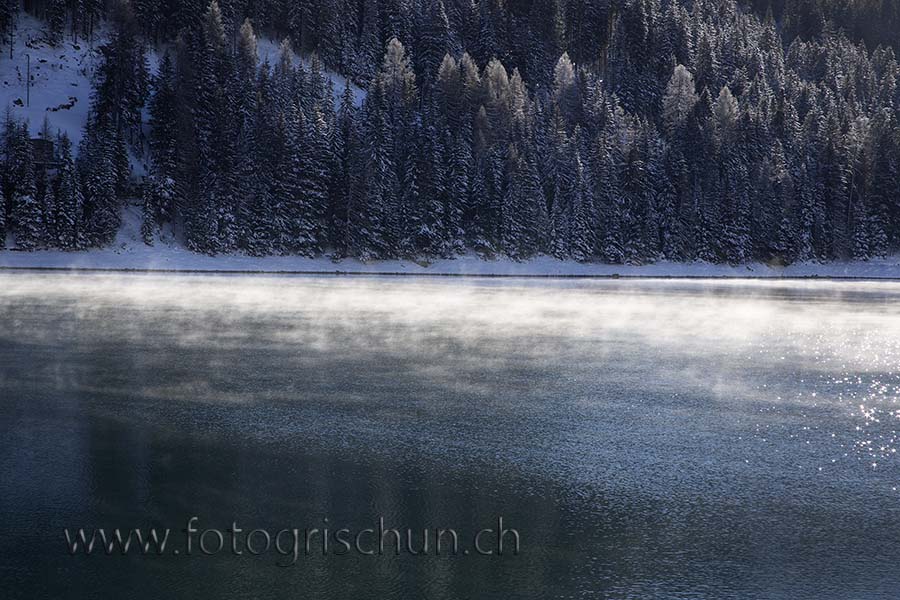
[[129, 253]]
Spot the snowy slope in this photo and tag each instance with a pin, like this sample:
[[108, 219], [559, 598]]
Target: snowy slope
[[60, 79], [268, 49]]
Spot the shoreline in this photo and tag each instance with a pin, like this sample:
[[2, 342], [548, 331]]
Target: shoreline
[[536, 270]]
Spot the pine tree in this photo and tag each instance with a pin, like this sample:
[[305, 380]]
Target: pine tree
[[369, 41], [3, 210], [8, 11], [565, 190], [588, 28], [523, 218], [566, 93], [163, 109], [428, 214], [679, 100], [97, 167], [638, 214], [583, 226], [397, 83], [435, 42], [70, 234], [7, 182], [492, 31], [121, 81], [315, 180], [159, 193], [299, 233], [726, 116], [342, 183], [458, 218], [609, 195], [706, 64], [27, 222], [45, 200], [56, 20], [885, 180], [772, 148], [375, 193], [260, 148], [210, 221], [395, 100], [336, 34], [251, 198]]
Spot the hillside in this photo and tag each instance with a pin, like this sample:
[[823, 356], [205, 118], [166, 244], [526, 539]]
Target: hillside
[[594, 131], [60, 79], [62, 75]]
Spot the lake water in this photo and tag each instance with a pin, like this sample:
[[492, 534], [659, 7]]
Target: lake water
[[646, 439]]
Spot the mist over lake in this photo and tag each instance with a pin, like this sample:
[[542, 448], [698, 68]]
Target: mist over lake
[[647, 439]]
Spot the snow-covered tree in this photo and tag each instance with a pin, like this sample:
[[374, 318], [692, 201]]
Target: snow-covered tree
[[679, 100]]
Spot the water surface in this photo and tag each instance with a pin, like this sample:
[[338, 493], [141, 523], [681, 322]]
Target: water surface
[[648, 439]]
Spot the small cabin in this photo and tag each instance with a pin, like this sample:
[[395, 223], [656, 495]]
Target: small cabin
[[43, 153]]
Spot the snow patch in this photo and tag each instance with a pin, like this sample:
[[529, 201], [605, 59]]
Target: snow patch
[[268, 49], [60, 79]]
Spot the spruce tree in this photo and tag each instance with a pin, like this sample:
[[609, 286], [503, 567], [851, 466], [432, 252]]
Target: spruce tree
[[342, 177], [56, 20], [211, 224], [679, 100], [583, 223], [566, 93], [435, 41], [97, 167], [26, 207], [163, 109], [69, 201], [375, 191], [523, 218]]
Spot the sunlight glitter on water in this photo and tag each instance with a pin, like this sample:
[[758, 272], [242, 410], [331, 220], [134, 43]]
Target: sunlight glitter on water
[[867, 395]]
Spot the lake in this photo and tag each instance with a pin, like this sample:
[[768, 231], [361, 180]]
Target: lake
[[645, 439]]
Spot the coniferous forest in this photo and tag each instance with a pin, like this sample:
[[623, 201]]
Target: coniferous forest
[[621, 131]]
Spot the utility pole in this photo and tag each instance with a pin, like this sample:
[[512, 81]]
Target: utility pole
[[28, 80]]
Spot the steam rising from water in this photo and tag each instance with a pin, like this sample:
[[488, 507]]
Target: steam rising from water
[[822, 328], [723, 313], [702, 436]]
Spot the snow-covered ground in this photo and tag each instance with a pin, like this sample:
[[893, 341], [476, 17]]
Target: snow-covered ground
[[130, 253], [61, 82], [60, 79]]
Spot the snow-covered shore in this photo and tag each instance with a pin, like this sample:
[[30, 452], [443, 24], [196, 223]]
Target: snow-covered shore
[[174, 260], [129, 253]]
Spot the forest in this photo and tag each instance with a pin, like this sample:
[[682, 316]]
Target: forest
[[618, 131]]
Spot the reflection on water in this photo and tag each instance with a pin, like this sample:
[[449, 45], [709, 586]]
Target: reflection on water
[[648, 439]]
